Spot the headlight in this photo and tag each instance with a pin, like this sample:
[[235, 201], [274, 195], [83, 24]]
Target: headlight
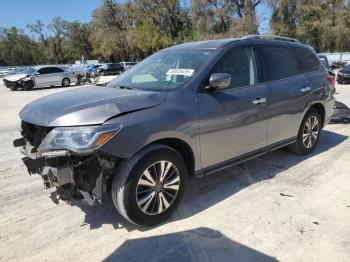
[[78, 139], [27, 78]]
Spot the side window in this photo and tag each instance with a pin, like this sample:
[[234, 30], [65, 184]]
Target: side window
[[239, 63], [278, 62], [43, 71], [56, 70], [306, 60]]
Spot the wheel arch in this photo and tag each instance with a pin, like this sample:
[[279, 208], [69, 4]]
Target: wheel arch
[[320, 108], [182, 147]]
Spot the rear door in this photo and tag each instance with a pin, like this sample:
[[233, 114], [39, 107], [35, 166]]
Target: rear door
[[56, 75], [233, 122], [289, 91]]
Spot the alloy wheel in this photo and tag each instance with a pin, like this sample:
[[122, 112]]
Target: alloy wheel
[[311, 131], [66, 82], [157, 187]]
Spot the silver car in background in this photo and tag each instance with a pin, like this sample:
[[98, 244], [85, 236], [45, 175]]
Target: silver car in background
[[39, 76]]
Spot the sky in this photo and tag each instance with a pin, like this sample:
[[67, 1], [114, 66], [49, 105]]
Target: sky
[[19, 13]]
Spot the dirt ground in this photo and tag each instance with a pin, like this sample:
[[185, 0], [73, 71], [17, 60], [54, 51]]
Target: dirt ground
[[275, 207]]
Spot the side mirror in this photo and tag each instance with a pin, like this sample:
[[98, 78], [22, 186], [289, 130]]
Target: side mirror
[[219, 81]]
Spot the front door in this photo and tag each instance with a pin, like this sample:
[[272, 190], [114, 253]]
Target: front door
[[234, 121], [41, 77]]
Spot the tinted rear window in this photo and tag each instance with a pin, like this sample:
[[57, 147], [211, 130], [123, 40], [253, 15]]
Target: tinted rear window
[[306, 60], [278, 62]]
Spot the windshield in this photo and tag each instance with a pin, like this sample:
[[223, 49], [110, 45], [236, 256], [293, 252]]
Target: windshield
[[164, 71], [29, 71]]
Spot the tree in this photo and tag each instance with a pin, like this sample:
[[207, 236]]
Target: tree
[[322, 24], [58, 29], [108, 36], [78, 41], [16, 48], [228, 18]]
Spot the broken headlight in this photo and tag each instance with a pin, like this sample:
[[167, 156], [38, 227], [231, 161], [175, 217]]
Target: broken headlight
[[83, 139]]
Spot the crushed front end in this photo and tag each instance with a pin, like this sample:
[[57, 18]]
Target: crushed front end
[[68, 159]]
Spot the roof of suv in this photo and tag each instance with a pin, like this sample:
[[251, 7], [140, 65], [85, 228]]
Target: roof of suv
[[219, 43]]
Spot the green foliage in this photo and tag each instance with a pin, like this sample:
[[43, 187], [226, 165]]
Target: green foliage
[[16, 48], [323, 24]]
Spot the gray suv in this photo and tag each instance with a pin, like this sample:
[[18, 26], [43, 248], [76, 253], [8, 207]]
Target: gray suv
[[188, 110]]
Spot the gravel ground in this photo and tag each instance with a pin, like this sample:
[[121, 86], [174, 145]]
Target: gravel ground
[[275, 207]]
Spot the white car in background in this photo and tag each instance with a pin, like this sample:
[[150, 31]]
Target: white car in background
[[39, 76], [127, 65]]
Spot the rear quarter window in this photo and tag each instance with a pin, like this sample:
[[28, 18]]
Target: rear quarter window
[[306, 60], [278, 62]]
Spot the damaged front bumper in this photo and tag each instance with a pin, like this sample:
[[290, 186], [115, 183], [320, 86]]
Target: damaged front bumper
[[74, 176]]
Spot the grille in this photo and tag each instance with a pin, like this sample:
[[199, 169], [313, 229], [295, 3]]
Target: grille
[[34, 134]]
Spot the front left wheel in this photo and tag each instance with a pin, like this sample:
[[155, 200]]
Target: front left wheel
[[148, 187]]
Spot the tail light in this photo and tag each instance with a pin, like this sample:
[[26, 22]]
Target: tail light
[[331, 83]]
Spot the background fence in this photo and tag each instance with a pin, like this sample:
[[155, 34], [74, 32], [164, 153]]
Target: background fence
[[334, 57]]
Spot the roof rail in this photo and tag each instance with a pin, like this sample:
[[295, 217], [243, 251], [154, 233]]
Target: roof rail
[[272, 37]]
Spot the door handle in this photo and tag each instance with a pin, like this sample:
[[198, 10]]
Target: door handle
[[259, 100], [305, 89]]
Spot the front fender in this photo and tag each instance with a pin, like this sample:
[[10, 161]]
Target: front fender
[[168, 120]]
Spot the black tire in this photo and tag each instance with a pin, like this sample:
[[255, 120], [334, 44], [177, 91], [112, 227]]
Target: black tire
[[65, 82], [13, 88], [299, 146], [125, 184], [28, 86]]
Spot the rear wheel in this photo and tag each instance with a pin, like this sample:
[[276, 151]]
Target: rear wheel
[[148, 187], [308, 135], [65, 82]]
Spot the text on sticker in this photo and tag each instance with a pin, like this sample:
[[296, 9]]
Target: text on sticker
[[180, 71]]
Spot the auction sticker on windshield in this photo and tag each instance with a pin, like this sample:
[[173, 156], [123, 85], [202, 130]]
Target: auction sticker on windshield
[[180, 71]]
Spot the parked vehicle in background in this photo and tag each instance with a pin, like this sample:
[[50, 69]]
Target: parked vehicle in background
[[188, 110], [110, 69], [343, 75], [92, 68], [15, 71], [324, 60], [6, 71], [337, 64], [39, 76], [127, 65]]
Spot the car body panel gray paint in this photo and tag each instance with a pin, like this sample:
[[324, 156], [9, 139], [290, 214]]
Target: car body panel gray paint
[[286, 105], [175, 118], [87, 106], [229, 121]]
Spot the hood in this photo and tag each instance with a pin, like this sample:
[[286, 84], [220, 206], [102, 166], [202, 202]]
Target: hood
[[87, 106], [15, 77], [345, 70]]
